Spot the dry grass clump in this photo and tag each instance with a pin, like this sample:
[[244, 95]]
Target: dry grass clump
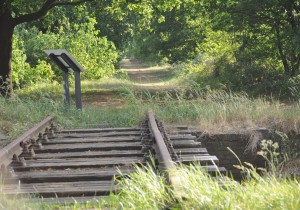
[[227, 112]]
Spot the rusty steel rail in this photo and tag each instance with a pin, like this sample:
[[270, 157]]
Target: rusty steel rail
[[15, 147], [165, 158]]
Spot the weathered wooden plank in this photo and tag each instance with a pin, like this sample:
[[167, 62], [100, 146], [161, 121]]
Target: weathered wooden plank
[[70, 200], [72, 172], [61, 188], [71, 163], [89, 146], [86, 154], [181, 137], [196, 156], [80, 160], [185, 132], [89, 174], [180, 141], [201, 159], [181, 127], [92, 140], [213, 169], [191, 151], [178, 145], [192, 155], [86, 135], [97, 130]]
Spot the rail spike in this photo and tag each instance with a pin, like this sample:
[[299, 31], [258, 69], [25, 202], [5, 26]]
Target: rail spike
[[16, 146], [45, 138]]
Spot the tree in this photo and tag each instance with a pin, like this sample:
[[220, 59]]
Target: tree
[[169, 30], [13, 13], [115, 23], [269, 24]]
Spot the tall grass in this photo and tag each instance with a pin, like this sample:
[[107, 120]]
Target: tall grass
[[144, 189], [210, 111], [219, 111], [147, 190], [269, 192], [18, 114], [14, 203]]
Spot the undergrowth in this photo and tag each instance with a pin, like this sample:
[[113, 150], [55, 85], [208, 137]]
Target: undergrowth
[[146, 189], [219, 111], [17, 115], [211, 111]]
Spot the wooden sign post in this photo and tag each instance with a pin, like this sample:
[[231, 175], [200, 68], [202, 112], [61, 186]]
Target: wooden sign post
[[66, 62]]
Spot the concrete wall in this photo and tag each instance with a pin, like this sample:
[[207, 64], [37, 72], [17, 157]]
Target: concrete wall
[[217, 144]]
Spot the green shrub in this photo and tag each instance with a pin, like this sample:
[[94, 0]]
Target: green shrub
[[96, 54], [19, 64]]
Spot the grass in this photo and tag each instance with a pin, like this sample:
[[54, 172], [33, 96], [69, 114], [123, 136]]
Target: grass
[[14, 203], [123, 102], [220, 111], [18, 114], [210, 111], [146, 189], [269, 192]]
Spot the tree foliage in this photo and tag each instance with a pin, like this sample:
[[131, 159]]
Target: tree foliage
[[246, 44], [96, 54], [74, 30], [240, 44], [12, 14], [266, 33], [169, 31]]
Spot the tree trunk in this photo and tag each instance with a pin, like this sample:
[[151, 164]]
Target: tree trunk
[[6, 35], [280, 50]]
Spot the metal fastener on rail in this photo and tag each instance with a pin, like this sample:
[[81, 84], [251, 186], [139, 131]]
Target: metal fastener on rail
[[15, 147]]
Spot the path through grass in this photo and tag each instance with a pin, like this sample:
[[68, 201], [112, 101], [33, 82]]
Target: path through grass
[[121, 102], [124, 102]]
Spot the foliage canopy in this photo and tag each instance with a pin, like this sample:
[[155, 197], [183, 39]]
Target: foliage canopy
[[239, 44]]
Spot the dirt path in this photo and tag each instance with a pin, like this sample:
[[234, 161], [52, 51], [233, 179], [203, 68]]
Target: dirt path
[[143, 76], [147, 76], [105, 94]]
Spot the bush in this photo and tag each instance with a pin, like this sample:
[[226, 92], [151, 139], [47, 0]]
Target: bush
[[96, 54], [19, 64]]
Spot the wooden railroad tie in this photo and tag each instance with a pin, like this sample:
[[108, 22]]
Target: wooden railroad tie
[[81, 163]]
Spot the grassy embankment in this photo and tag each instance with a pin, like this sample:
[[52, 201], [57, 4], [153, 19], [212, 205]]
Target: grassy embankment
[[148, 190], [124, 103]]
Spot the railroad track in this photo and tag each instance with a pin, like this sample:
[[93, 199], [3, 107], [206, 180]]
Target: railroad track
[[80, 164]]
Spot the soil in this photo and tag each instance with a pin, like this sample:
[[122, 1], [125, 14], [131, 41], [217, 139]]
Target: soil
[[140, 77], [103, 98]]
